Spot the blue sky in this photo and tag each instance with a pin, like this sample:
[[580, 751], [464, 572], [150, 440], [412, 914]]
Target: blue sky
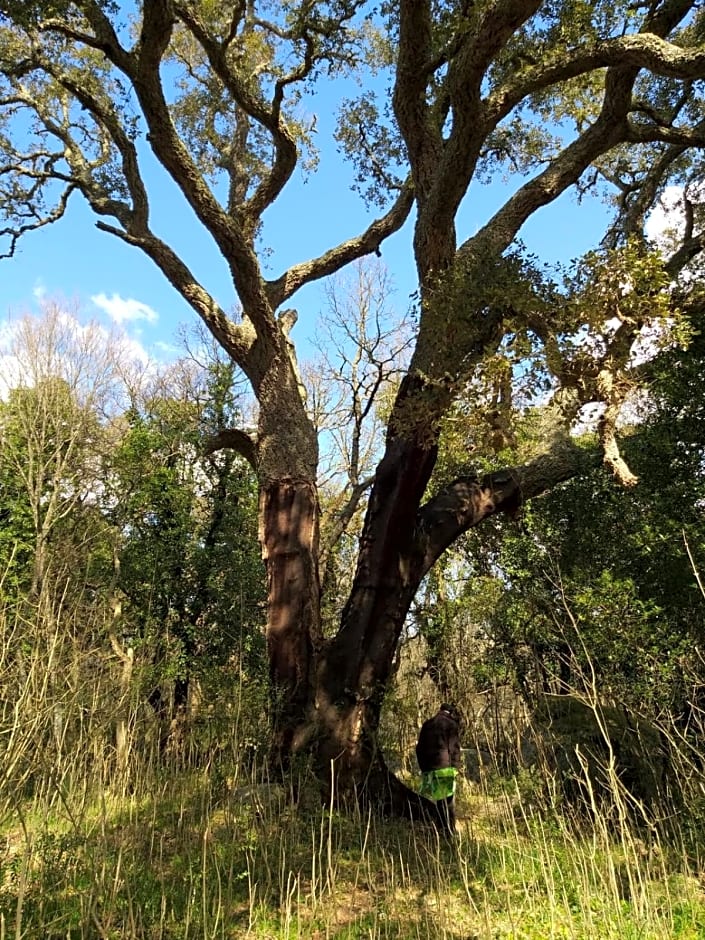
[[110, 281]]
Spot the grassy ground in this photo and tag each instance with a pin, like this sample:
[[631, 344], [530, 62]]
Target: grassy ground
[[199, 855]]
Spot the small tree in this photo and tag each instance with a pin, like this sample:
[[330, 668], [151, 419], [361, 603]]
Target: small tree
[[188, 570], [55, 547], [53, 434]]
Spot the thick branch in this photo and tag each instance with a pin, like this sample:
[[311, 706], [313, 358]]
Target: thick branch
[[336, 258], [465, 502], [420, 131], [642, 51], [465, 77], [233, 439], [685, 253], [175, 157], [609, 129], [639, 133], [236, 340], [104, 40]]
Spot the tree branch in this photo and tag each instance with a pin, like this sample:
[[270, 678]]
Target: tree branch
[[641, 133], [608, 130], [467, 501], [233, 439], [15, 232], [234, 244], [336, 258], [641, 51], [417, 121], [106, 117], [284, 145], [466, 73], [341, 522], [105, 39], [236, 340]]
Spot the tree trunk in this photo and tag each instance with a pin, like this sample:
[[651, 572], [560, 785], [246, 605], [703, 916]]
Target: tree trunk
[[289, 537], [328, 695]]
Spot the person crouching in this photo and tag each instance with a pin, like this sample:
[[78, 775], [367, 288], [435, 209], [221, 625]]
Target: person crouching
[[438, 755]]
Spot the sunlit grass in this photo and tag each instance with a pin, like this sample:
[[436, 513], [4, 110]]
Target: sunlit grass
[[192, 858], [95, 847]]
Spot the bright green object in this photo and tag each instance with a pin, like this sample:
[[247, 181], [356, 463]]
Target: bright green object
[[438, 784]]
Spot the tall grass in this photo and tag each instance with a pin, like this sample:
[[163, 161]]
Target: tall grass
[[92, 846]]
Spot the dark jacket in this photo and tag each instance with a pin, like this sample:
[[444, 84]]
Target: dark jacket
[[439, 743]]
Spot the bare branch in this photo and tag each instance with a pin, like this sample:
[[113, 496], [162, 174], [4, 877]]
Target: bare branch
[[341, 522], [17, 231]]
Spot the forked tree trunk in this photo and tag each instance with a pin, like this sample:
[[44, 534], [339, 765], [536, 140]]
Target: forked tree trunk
[[330, 692], [328, 695]]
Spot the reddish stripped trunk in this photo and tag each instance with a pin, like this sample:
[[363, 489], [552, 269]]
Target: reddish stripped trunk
[[289, 538], [356, 665]]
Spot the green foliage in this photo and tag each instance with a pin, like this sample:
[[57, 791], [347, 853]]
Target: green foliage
[[601, 589], [368, 139], [591, 590], [129, 563], [189, 564], [16, 529]]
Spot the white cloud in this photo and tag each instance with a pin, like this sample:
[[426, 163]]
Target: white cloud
[[136, 351], [56, 342], [168, 348], [123, 310]]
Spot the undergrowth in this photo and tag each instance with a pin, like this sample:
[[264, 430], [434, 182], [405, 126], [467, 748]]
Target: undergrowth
[[200, 854], [110, 840]]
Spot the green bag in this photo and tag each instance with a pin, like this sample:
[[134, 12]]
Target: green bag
[[438, 784]]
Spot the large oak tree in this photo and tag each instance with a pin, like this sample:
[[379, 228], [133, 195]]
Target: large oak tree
[[568, 93]]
